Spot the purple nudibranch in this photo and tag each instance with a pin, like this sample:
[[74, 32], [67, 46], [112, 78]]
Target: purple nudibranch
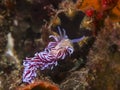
[[56, 50]]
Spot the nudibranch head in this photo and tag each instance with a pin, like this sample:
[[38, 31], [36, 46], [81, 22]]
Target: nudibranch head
[[64, 44]]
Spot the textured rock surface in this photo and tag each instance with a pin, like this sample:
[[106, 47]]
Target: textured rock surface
[[91, 67]]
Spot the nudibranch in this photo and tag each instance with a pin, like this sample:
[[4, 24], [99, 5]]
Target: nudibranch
[[49, 57]]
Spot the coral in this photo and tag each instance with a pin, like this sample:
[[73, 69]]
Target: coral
[[69, 8], [97, 4], [88, 23], [93, 20], [108, 4], [86, 4], [103, 58], [90, 12], [11, 78], [115, 13], [39, 85], [43, 10], [76, 80], [3, 41], [104, 6], [5, 22]]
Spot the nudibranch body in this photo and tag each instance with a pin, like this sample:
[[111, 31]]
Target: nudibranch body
[[56, 50]]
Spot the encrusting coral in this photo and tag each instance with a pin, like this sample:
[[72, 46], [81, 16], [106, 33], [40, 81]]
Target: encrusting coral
[[76, 80], [104, 58], [39, 85], [104, 6]]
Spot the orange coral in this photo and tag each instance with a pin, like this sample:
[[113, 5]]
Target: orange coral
[[85, 4], [101, 5], [116, 12], [39, 85]]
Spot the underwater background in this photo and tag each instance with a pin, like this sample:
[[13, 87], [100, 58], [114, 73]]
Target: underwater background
[[59, 44]]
